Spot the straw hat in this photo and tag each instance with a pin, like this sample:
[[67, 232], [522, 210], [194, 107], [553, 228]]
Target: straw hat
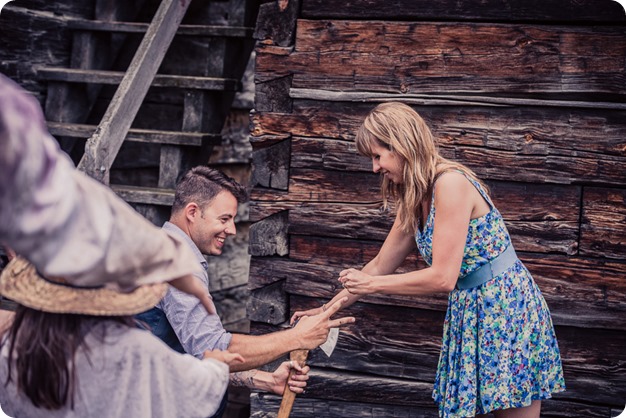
[[21, 283]]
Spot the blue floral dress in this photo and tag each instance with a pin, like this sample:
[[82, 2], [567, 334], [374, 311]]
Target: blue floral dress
[[499, 349]]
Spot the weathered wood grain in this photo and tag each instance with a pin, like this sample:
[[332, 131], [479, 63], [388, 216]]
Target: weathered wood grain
[[383, 340], [499, 10], [446, 57], [558, 145], [533, 130], [269, 304], [603, 227], [271, 166], [278, 22], [269, 236], [544, 218], [265, 406], [580, 292]]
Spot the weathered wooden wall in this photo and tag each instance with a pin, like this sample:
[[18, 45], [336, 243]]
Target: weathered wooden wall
[[529, 94]]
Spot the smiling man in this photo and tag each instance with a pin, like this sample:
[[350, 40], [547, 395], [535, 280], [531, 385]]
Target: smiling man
[[203, 215]]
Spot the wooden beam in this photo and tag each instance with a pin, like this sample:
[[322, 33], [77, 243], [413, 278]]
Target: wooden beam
[[443, 99], [137, 27], [452, 58], [76, 130], [74, 75], [564, 11]]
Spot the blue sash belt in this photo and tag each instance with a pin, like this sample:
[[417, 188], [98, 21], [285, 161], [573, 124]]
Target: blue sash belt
[[488, 271]]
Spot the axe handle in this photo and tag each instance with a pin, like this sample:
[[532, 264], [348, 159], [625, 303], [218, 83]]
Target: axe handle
[[288, 396]]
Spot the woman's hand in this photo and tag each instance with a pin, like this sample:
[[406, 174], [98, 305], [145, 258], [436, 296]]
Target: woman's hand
[[311, 312], [297, 383], [224, 356], [357, 282]]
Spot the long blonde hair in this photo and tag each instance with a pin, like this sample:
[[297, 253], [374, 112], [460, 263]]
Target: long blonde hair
[[403, 131]]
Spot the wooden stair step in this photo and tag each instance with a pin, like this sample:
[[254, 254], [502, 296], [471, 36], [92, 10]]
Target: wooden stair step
[[75, 75], [137, 27], [76, 130], [146, 195]]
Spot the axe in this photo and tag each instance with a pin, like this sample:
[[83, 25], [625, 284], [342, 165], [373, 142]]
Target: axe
[[300, 356]]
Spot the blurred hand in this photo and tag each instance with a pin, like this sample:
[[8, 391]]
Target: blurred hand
[[224, 356]]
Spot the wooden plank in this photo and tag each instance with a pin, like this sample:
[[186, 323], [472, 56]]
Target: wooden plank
[[76, 130], [138, 27], [74, 75], [499, 10], [489, 145], [527, 130], [451, 57], [540, 218], [445, 99], [147, 195], [603, 232], [102, 148]]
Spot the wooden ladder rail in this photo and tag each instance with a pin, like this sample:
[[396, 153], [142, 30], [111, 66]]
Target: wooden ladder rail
[[102, 147]]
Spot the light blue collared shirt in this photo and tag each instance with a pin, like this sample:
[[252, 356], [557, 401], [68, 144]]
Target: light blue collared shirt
[[196, 330]]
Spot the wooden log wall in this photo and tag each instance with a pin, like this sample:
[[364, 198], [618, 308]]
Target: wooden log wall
[[529, 94]]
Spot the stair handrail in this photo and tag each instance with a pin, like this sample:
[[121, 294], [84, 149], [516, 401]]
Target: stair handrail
[[102, 147]]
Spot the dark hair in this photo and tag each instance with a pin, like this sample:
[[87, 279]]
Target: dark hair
[[201, 184], [46, 344]]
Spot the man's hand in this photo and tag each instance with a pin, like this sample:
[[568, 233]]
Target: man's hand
[[309, 312], [312, 331], [297, 382], [193, 286]]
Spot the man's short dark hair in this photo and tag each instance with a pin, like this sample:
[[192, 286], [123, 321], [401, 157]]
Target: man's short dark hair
[[201, 184]]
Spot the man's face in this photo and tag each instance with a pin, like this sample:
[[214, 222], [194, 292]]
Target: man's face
[[213, 223]]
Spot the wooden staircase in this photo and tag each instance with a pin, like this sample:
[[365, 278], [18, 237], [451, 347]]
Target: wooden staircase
[[148, 88]]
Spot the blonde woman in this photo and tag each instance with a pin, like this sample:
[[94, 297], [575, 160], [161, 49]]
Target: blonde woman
[[499, 353]]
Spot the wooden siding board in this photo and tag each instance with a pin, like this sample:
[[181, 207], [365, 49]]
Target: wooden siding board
[[500, 10], [450, 57], [532, 130], [603, 229], [556, 145]]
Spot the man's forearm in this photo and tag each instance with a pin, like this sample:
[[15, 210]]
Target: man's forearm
[[254, 379], [258, 350]]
